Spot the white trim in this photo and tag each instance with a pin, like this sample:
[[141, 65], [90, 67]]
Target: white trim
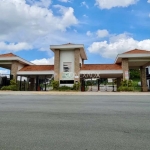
[[68, 46], [139, 55], [17, 59], [35, 72], [101, 72]]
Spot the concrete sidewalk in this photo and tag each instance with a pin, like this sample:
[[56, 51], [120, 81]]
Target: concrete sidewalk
[[69, 93]]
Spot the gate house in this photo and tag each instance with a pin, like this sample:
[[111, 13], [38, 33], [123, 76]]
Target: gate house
[[69, 66]]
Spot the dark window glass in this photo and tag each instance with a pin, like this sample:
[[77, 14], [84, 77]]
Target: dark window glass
[[147, 71], [66, 81]]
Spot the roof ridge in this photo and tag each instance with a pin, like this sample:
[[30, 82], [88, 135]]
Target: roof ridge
[[8, 55], [68, 44], [136, 51]]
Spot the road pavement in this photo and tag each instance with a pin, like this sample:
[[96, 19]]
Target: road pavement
[[74, 122]]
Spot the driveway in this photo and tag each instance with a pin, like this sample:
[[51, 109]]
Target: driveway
[[74, 122]]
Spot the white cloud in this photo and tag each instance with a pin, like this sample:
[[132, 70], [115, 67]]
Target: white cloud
[[108, 4], [41, 3], [65, 1], [43, 61], [148, 1], [89, 33], [102, 33], [84, 4], [14, 47], [85, 16], [118, 44], [4, 71], [22, 22], [99, 33], [68, 18]]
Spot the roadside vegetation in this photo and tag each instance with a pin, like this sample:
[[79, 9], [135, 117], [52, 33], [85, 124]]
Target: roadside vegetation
[[12, 87], [133, 83], [75, 87]]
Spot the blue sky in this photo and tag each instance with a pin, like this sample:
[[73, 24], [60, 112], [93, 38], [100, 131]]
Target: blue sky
[[105, 27]]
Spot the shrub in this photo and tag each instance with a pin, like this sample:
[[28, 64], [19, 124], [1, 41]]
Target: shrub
[[130, 83], [126, 85], [55, 85], [13, 86], [64, 88], [125, 88], [13, 82], [76, 86]]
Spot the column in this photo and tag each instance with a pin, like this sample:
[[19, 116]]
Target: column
[[82, 85], [56, 65], [125, 68], [98, 84], [144, 87], [45, 83], [14, 69], [28, 79], [20, 83], [37, 83], [77, 63]]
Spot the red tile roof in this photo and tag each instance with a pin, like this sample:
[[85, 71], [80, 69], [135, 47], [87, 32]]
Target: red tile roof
[[101, 67], [38, 68], [8, 55], [136, 51]]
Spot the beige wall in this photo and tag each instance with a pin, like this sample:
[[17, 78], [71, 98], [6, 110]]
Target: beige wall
[[14, 69], [77, 63], [125, 67], [56, 64], [144, 87]]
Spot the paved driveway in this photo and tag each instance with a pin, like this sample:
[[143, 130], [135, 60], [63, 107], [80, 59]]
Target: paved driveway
[[47, 122]]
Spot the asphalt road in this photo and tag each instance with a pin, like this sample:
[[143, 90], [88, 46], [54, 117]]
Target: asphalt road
[[46, 122]]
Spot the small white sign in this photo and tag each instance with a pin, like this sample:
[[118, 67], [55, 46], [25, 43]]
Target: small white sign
[[76, 77], [110, 80]]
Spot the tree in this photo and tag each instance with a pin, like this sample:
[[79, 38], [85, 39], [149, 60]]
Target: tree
[[134, 74]]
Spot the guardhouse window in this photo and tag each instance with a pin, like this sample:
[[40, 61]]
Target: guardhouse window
[[67, 67]]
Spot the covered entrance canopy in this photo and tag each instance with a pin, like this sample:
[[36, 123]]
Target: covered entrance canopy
[[36, 75], [134, 59], [99, 71]]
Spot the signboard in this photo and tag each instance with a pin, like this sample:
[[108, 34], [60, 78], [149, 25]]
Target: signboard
[[110, 80], [67, 76]]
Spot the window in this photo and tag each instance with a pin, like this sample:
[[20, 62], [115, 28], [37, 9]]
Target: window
[[67, 67]]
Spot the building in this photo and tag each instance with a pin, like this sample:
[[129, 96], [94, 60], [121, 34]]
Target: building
[[69, 67]]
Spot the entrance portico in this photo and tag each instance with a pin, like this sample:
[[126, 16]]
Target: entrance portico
[[69, 66], [135, 59]]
